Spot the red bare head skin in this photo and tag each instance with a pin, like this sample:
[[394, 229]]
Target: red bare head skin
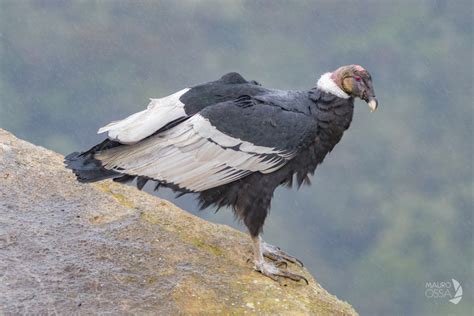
[[359, 68], [343, 72], [356, 82]]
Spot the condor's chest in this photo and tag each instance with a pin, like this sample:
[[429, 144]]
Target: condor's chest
[[333, 116]]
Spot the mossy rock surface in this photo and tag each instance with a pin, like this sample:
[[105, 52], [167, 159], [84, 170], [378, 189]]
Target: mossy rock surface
[[67, 248]]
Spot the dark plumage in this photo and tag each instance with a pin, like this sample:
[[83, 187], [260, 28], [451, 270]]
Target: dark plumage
[[232, 142]]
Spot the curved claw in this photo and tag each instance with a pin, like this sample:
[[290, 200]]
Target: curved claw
[[292, 276], [276, 254], [273, 273], [300, 263], [270, 275], [281, 264]]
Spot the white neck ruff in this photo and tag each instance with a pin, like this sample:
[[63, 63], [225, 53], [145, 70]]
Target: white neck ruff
[[326, 84]]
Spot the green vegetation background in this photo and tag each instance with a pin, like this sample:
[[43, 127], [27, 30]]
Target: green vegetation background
[[389, 210]]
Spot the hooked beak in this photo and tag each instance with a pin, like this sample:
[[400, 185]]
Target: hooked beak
[[373, 103]]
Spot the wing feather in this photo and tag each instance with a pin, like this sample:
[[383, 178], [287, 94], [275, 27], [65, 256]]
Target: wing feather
[[193, 155], [144, 123]]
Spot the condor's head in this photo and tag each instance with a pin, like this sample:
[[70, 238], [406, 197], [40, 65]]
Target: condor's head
[[350, 81]]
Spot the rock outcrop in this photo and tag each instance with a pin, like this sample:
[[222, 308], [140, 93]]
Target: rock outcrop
[[67, 248]]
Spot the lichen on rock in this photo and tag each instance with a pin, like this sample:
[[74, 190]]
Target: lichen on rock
[[67, 247]]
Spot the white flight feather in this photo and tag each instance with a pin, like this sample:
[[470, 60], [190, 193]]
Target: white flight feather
[[183, 155], [144, 123]]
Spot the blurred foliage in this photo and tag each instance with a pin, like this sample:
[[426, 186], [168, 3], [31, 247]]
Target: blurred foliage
[[389, 210]]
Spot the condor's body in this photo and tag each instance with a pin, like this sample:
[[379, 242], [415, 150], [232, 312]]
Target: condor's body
[[230, 141]]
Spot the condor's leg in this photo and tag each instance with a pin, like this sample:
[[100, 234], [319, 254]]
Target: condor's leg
[[254, 220]]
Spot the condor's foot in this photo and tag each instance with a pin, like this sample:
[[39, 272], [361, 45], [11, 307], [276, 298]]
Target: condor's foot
[[276, 254], [268, 269], [273, 272]]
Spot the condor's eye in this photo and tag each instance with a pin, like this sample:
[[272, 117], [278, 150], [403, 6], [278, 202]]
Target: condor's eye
[[357, 78]]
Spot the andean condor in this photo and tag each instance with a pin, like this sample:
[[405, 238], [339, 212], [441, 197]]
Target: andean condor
[[232, 142]]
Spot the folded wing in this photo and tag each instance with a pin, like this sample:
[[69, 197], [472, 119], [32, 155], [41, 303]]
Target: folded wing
[[197, 154]]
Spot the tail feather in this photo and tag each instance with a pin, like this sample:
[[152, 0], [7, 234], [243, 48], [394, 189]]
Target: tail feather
[[86, 167]]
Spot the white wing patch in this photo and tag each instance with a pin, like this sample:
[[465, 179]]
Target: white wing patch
[[193, 155], [144, 123]]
